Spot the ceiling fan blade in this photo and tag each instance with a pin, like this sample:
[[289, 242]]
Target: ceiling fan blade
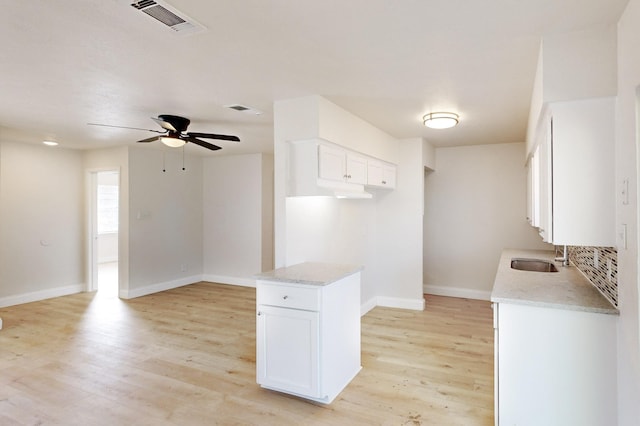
[[123, 127], [214, 136], [164, 124], [153, 139], [203, 144]]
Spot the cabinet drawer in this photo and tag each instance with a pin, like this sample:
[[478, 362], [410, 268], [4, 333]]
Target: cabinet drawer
[[288, 296]]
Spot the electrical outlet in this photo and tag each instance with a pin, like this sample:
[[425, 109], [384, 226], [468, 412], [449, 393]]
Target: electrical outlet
[[622, 236]]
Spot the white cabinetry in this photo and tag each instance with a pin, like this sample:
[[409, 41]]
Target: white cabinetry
[[308, 336], [572, 176], [337, 164], [381, 174], [554, 366], [317, 167]]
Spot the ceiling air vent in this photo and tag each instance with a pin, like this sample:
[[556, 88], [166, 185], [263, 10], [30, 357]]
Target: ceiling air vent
[[169, 16], [243, 108]]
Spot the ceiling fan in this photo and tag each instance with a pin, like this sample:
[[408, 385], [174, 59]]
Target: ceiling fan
[[175, 134]]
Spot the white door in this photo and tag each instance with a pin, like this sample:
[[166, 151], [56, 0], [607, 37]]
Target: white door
[[287, 350]]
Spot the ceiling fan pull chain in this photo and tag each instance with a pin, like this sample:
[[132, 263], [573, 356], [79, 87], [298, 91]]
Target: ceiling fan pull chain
[[183, 158], [164, 167]]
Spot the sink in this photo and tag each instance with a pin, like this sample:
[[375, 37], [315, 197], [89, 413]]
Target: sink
[[535, 265]]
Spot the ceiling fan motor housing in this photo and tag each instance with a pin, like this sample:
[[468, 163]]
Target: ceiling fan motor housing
[[180, 124]]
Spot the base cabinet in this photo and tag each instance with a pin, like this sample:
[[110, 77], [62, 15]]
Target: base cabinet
[[554, 366], [286, 335], [308, 337]]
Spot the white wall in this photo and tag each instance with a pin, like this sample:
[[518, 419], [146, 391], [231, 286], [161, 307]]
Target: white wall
[[237, 206], [165, 220], [475, 206], [626, 167], [580, 64], [576, 65], [41, 222], [398, 264]]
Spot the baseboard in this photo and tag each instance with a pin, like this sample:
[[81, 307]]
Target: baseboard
[[464, 293], [224, 279], [395, 302], [36, 296], [156, 288], [367, 306]]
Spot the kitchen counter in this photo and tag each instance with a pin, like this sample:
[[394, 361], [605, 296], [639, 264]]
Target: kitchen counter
[[566, 289], [310, 273]]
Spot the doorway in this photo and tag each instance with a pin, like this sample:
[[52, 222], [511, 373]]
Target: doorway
[[105, 224]]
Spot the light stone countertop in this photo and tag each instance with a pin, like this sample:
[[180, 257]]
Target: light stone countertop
[[565, 289], [310, 273]]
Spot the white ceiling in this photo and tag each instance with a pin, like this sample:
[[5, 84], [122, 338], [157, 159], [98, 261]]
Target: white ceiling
[[66, 63]]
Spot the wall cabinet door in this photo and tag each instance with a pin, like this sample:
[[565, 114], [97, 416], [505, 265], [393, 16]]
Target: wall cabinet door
[[332, 163], [287, 348], [575, 200], [356, 171], [583, 173], [340, 165], [381, 174]]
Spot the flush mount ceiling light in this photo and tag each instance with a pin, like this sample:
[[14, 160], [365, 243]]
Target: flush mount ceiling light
[[440, 120], [50, 143], [172, 142]]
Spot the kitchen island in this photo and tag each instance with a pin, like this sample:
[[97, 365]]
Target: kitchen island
[[308, 329], [555, 346]]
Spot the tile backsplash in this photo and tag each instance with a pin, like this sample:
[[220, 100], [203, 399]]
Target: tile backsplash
[[600, 266]]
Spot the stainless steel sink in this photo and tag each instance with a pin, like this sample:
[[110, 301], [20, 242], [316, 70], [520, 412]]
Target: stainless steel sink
[[535, 265]]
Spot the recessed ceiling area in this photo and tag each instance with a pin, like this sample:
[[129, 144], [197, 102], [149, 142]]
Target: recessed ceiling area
[[68, 63]]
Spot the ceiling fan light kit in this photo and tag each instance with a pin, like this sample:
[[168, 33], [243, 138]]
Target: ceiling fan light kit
[[440, 120], [172, 142]]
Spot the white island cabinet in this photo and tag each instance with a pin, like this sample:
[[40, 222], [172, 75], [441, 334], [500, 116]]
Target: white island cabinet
[[308, 329]]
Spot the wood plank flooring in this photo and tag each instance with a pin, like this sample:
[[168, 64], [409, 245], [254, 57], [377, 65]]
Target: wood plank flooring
[[187, 357]]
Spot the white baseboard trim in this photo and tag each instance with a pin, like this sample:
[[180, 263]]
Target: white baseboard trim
[[464, 293], [156, 288], [395, 302], [224, 279], [36, 296], [367, 306]]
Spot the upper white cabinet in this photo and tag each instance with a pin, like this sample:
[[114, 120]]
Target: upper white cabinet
[[381, 174], [572, 173], [318, 167], [337, 164]]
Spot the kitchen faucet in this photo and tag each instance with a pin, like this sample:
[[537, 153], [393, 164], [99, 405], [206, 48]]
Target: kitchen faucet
[[565, 256]]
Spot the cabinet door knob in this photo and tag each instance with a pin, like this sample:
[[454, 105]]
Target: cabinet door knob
[[384, 182], [285, 297], [259, 313]]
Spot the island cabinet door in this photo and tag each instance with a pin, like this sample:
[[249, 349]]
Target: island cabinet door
[[287, 350]]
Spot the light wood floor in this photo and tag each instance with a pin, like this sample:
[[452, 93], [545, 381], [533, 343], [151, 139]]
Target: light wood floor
[[187, 357]]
